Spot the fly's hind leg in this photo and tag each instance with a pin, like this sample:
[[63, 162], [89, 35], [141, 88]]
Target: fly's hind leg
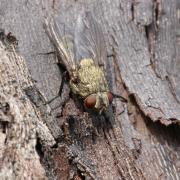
[[60, 89], [60, 92], [64, 91], [64, 72]]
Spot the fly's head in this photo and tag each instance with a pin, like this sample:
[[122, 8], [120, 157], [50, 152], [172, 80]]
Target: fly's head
[[99, 101]]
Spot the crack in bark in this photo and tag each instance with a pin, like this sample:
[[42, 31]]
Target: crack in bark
[[151, 32], [172, 89], [157, 13], [132, 10]]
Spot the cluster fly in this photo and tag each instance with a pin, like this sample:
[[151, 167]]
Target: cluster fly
[[83, 53]]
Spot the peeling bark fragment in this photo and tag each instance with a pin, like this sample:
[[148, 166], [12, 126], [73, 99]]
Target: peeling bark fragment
[[140, 78], [18, 138]]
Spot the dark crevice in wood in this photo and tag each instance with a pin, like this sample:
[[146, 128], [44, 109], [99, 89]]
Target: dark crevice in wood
[[4, 107], [172, 90], [150, 36], [8, 40], [79, 175], [163, 133], [53, 4], [4, 126], [45, 53], [55, 146], [66, 135], [147, 35], [157, 13], [151, 31], [39, 149], [132, 9], [6, 117]]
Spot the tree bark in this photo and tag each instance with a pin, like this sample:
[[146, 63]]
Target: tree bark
[[37, 142]]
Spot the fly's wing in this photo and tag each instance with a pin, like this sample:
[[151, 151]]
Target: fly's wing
[[89, 39], [62, 38], [90, 43]]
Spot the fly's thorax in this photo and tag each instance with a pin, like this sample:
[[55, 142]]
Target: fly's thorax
[[91, 79], [86, 63]]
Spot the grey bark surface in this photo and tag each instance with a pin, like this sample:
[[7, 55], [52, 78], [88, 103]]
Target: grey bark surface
[[142, 39], [21, 123]]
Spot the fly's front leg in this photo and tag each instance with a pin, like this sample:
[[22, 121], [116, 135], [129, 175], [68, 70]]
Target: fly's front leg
[[123, 99]]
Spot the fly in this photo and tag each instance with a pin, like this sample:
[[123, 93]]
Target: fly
[[83, 53]]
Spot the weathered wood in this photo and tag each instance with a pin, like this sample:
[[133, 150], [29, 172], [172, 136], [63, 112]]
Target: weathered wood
[[141, 41], [142, 12], [20, 122]]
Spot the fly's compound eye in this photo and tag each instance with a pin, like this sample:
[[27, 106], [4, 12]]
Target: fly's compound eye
[[90, 101], [110, 97]]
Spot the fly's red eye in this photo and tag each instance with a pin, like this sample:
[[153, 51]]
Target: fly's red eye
[[90, 101], [110, 97]]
